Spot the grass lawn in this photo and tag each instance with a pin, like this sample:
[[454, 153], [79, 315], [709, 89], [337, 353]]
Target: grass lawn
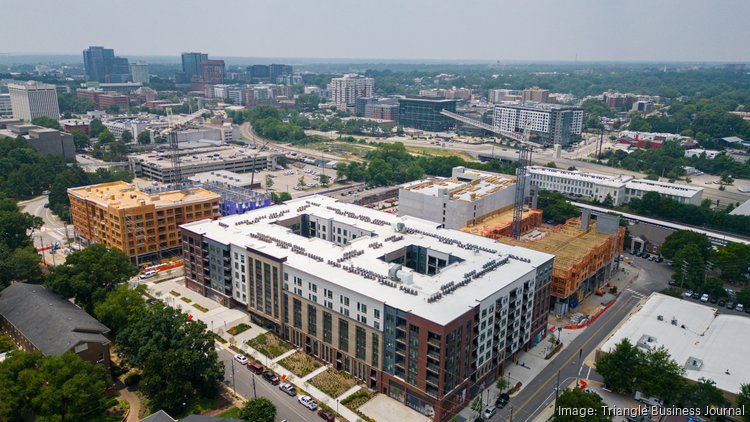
[[200, 308], [269, 345], [356, 400], [333, 383], [440, 152], [300, 364], [173, 293], [239, 328], [231, 413]]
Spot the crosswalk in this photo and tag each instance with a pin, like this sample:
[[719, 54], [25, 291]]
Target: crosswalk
[[636, 293]]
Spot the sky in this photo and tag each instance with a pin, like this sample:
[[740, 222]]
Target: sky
[[504, 30]]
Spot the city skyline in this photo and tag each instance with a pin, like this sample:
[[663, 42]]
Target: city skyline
[[544, 30]]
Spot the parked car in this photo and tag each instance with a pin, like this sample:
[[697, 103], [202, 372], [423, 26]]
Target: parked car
[[688, 293], [502, 400], [729, 305], [241, 359], [489, 412], [308, 402], [704, 298], [696, 295], [672, 283], [326, 416], [712, 299], [255, 367], [148, 274], [747, 310], [288, 388], [271, 377], [739, 308], [721, 302]]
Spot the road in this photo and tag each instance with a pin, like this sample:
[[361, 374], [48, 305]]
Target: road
[[53, 230], [541, 390], [287, 408]]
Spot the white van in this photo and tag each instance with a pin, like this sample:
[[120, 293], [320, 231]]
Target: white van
[[653, 401]]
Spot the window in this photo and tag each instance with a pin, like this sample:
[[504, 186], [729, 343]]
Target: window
[[343, 335], [377, 313], [344, 300], [327, 327], [361, 307], [360, 343]]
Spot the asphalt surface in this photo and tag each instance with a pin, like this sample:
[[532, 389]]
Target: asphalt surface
[[53, 230], [287, 408]]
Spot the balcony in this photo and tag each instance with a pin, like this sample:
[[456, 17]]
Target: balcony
[[433, 342], [432, 380], [433, 368], [433, 354]]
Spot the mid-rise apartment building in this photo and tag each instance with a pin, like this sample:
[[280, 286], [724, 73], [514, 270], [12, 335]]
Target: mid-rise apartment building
[[621, 189], [536, 95], [32, 99], [425, 315], [105, 99], [500, 95], [344, 91], [459, 201], [141, 224], [548, 123]]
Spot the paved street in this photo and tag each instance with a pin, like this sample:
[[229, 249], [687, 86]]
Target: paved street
[[53, 230], [287, 407]]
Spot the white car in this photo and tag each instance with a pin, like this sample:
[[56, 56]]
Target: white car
[[704, 298], [241, 359], [148, 274], [308, 402], [489, 412]]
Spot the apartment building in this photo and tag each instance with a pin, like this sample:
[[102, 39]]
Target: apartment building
[[548, 123], [621, 189], [536, 95], [422, 314], [344, 91], [500, 95], [459, 201], [33, 99], [198, 160], [141, 224]]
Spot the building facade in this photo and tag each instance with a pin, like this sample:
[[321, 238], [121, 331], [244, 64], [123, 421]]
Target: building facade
[[372, 294], [102, 65], [212, 71], [424, 113], [343, 92], [191, 64], [32, 99], [143, 225], [536, 95], [548, 124], [139, 72], [6, 108], [46, 140]]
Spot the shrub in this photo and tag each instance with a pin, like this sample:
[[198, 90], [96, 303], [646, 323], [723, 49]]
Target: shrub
[[239, 328], [200, 308], [173, 293], [186, 300], [356, 400], [300, 364], [132, 379], [269, 345], [333, 383]]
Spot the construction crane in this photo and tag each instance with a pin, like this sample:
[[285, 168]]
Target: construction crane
[[524, 160], [171, 134], [257, 152]]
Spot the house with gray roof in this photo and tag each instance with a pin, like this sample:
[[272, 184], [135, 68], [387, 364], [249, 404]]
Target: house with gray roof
[[38, 319]]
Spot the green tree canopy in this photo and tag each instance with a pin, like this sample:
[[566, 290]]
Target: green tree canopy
[[105, 137], [46, 122], [681, 238], [574, 398], [280, 197], [743, 400], [80, 140], [90, 275], [619, 367], [95, 128], [127, 136], [733, 260], [258, 410], [556, 207], [121, 307], [144, 138], [690, 268]]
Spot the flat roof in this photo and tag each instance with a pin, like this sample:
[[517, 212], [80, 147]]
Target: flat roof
[[357, 266], [600, 179], [224, 177], [122, 195], [706, 343], [197, 156], [461, 190], [663, 187]]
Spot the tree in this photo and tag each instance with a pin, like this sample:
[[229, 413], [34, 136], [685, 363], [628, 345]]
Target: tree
[[590, 407], [14, 228], [113, 109], [501, 384], [105, 137], [477, 405], [6, 343], [281, 197], [743, 297], [703, 395], [120, 307], [80, 140], [52, 388], [690, 270], [556, 207], [551, 165], [733, 260], [306, 102], [301, 181], [324, 179], [46, 122], [89, 275], [269, 181], [619, 366], [659, 375], [126, 137], [608, 201], [95, 128], [23, 265], [743, 400], [144, 138], [340, 170], [116, 151], [714, 287], [679, 239], [258, 410], [164, 343]]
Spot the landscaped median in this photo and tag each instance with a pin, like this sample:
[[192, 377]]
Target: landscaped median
[[333, 383], [269, 345], [300, 364]]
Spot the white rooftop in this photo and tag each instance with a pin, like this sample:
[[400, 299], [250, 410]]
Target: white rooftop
[[663, 187], [600, 179], [709, 345], [224, 177], [347, 265], [743, 209], [465, 184]]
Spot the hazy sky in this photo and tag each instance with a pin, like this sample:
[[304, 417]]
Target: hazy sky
[[648, 30]]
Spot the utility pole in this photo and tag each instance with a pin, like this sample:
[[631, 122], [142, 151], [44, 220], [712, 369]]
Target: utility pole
[[255, 394], [234, 386]]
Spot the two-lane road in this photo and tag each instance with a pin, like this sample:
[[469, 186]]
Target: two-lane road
[[287, 408], [53, 230]]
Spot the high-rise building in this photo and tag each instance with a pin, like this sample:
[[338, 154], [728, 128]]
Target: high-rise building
[[536, 95], [6, 109], [258, 73], [424, 314], [102, 65], [212, 71], [191, 64], [424, 113], [32, 99], [548, 123], [119, 215], [139, 72], [275, 71], [344, 91]]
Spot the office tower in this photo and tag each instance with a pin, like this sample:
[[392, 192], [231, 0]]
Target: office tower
[[32, 99], [424, 113], [139, 72], [102, 65], [212, 71], [120, 71], [191, 64], [258, 73], [344, 91], [278, 70]]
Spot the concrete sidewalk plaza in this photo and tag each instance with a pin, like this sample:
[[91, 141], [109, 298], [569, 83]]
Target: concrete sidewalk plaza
[[383, 408]]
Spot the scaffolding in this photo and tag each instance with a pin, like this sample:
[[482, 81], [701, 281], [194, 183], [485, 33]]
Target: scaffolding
[[236, 199]]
